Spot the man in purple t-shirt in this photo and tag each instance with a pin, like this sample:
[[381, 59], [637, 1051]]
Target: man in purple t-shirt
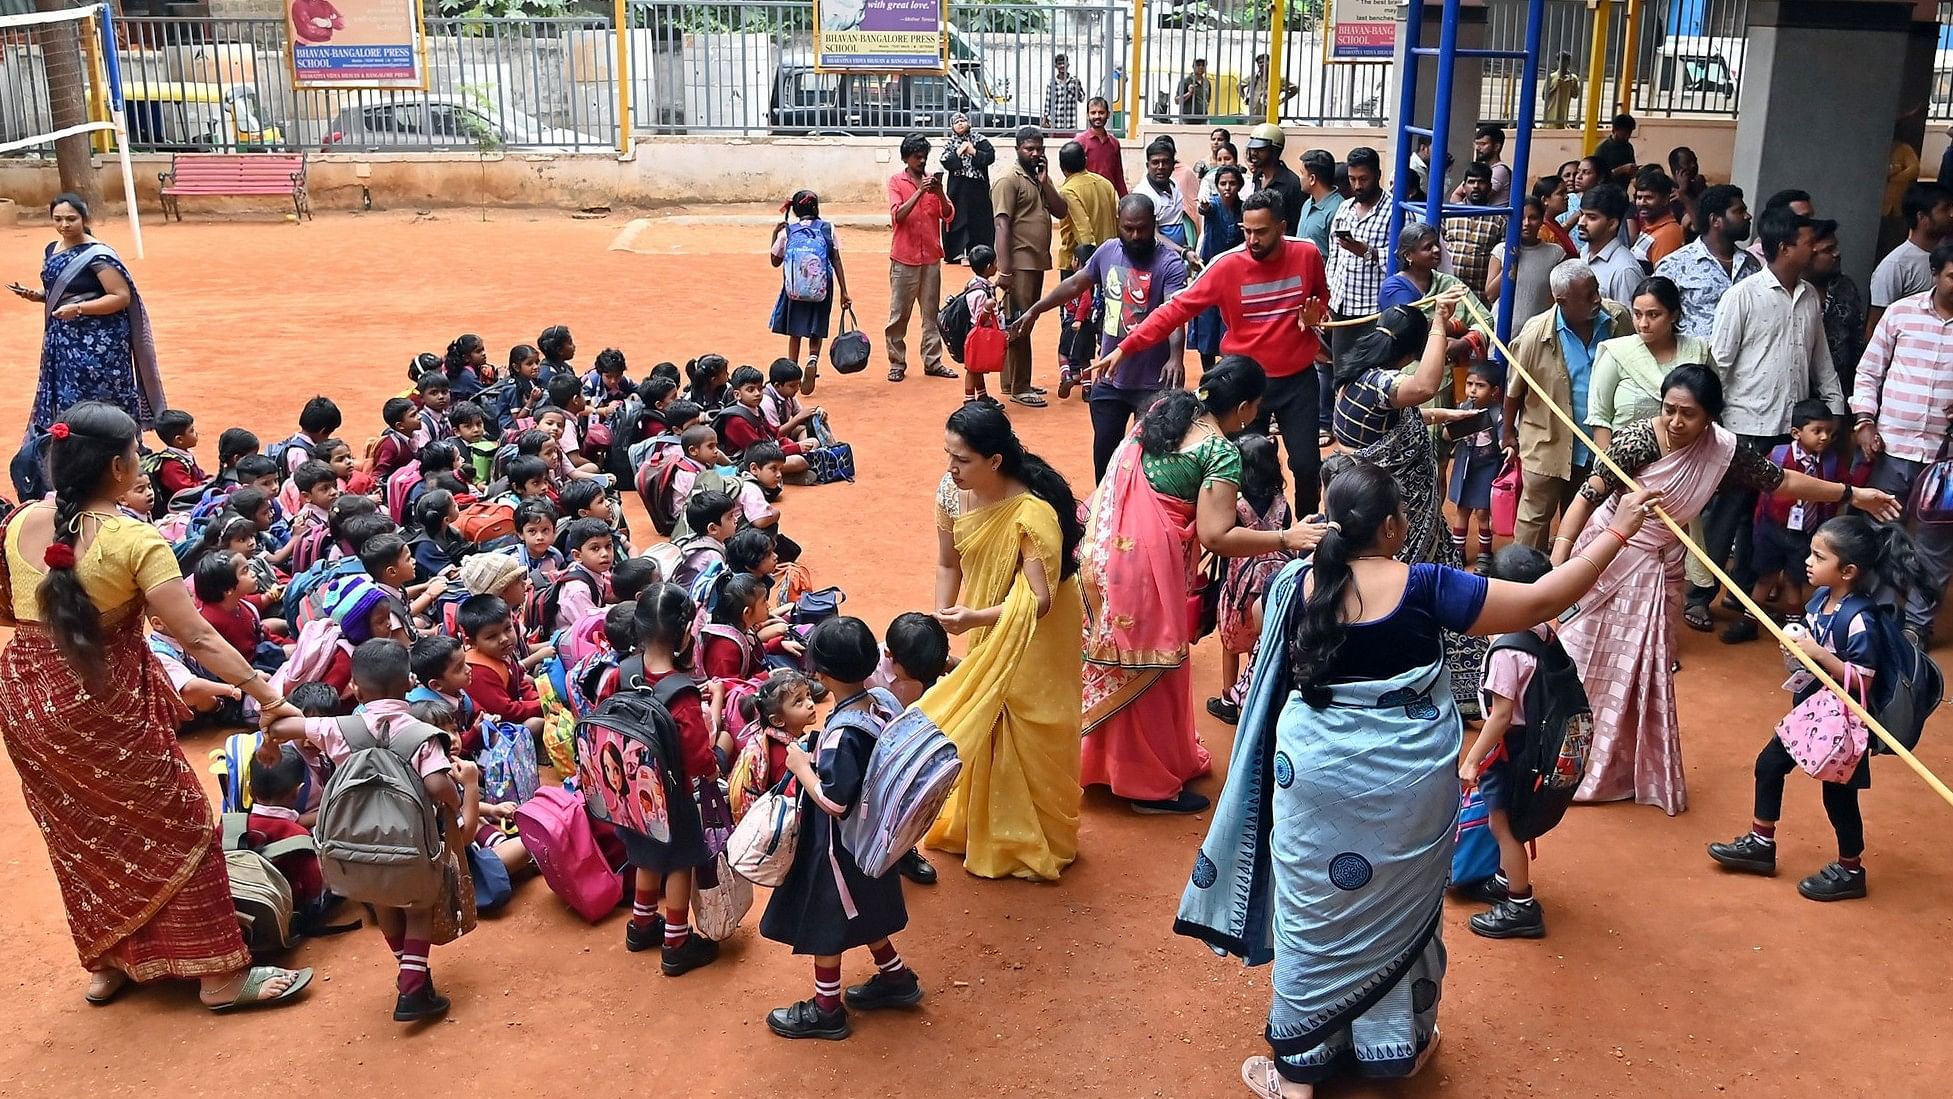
[[1133, 276]]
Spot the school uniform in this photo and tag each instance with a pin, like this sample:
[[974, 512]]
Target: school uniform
[[1475, 463], [1780, 537], [1508, 673], [687, 848], [501, 690], [810, 910], [394, 450], [301, 868], [467, 717]]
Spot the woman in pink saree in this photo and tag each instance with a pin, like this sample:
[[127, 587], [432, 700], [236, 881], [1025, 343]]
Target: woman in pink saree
[[1622, 635], [1170, 490]]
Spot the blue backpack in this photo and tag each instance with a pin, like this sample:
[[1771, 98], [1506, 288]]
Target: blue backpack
[[508, 763], [807, 271], [1908, 686], [1476, 855], [299, 591]]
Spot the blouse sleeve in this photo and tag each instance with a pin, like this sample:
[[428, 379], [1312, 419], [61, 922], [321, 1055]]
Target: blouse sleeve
[[1043, 533], [949, 504], [1453, 597], [1753, 470], [1220, 460], [148, 558], [1634, 447]]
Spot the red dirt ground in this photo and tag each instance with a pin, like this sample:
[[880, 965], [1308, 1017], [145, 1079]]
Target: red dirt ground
[[1663, 977]]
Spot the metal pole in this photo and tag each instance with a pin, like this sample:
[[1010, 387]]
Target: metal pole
[[1273, 92], [1630, 67], [1522, 157], [1434, 186], [621, 23], [1406, 116], [1134, 93], [112, 71], [1596, 74]]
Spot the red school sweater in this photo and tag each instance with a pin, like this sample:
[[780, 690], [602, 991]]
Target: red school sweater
[[1261, 301], [500, 691]]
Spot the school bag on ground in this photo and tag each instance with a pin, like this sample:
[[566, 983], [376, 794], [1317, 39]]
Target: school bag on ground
[[627, 759], [720, 903], [1547, 756], [379, 833], [831, 463], [508, 762], [259, 892], [805, 270], [483, 521], [909, 777], [558, 833]]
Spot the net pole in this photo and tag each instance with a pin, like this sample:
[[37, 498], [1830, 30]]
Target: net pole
[[112, 67]]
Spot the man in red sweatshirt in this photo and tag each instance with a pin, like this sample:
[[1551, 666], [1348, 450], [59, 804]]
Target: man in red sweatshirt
[[1272, 292]]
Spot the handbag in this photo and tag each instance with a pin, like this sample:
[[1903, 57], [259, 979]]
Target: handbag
[[983, 350], [719, 906], [849, 352], [454, 910], [1506, 488], [1932, 494], [1825, 738]]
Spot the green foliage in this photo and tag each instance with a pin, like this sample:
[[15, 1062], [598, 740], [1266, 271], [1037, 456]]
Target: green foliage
[[503, 9], [971, 16]]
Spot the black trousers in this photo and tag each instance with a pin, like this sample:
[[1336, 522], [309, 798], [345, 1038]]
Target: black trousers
[[1113, 412], [1731, 523], [1773, 765], [1293, 402]]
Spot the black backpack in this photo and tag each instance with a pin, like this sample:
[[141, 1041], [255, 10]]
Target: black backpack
[[633, 730], [954, 322], [725, 416], [1546, 758], [1908, 686]]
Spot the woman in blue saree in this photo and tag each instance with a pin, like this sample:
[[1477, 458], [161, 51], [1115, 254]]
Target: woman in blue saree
[[97, 345], [1331, 843]]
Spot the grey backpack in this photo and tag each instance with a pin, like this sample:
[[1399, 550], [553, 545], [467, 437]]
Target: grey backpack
[[259, 892], [379, 835]]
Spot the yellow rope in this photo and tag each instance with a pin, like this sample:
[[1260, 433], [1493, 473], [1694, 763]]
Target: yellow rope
[[1512, 364]]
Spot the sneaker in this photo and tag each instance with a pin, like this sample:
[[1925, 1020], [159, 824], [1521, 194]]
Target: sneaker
[[1224, 710], [883, 991], [697, 951], [1747, 854], [1510, 919], [1741, 630], [916, 868], [636, 941], [806, 1020], [1186, 801], [420, 1007], [1834, 883]]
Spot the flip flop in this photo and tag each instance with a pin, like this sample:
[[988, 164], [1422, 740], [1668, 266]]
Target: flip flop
[[252, 994], [1028, 400], [115, 990], [1262, 1078]]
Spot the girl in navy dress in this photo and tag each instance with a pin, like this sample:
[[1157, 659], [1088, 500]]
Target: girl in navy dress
[[827, 905]]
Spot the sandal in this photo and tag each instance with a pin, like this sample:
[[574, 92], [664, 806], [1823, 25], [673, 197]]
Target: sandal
[[253, 993], [940, 371], [894, 375], [1696, 617], [1028, 399], [118, 985], [1263, 1078]]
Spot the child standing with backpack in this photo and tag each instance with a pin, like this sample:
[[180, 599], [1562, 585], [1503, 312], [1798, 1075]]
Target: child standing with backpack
[[827, 906], [980, 305], [1513, 694], [1857, 640], [383, 725], [1260, 506], [811, 276]]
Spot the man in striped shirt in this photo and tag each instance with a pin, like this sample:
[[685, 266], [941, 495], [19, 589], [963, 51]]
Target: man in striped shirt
[[1272, 293], [1902, 403]]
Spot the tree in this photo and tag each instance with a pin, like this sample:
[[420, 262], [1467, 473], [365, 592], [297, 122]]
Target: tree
[[68, 101]]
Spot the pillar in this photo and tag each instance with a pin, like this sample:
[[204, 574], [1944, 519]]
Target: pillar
[[1465, 88], [1823, 81]]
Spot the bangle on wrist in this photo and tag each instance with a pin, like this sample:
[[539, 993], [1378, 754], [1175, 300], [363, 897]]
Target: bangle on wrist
[[1618, 534], [1561, 538]]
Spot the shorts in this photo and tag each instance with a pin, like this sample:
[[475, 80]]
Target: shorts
[[1493, 782], [1776, 548]]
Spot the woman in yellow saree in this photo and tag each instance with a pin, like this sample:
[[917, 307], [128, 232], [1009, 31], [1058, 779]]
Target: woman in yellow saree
[[1008, 532]]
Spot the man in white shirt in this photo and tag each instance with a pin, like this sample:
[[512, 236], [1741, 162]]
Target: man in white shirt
[[1769, 343], [1602, 209], [1904, 271]]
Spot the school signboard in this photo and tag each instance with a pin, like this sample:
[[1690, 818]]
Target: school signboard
[[1361, 30], [881, 36], [356, 44]]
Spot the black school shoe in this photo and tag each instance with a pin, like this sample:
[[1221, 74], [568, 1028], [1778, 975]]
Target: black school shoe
[[1186, 801], [1747, 854], [1510, 919], [697, 951], [1742, 630], [1489, 891], [635, 940], [884, 991], [916, 868], [418, 1007], [806, 1020], [1224, 710], [1834, 883]]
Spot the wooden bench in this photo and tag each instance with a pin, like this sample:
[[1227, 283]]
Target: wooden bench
[[235, 174]]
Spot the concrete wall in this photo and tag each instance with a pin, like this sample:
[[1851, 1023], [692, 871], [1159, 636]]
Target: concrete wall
[[676, 169]]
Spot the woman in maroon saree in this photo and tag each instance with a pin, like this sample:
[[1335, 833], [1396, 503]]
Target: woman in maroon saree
[[90, 724]]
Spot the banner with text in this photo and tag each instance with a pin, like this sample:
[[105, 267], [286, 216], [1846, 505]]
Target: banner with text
[[880, 35], [356, 44], [1362, 30]]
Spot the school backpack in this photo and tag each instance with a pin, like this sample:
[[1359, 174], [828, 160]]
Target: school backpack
[[508, 762], [814, 607], [726, 416], [540, 607], [400, 490], [953, 322], [909, 777], [483, 521], [262, 897], [299, 606], [654, 488], [830, 463], [806, 269], [379, 832], [1547, 756], [29, 470], [231, 763], [1474, 851], [279, 451], [319, 641], [149, 465], [698, 572], [1909, 686], [627, 758], [558, 833]]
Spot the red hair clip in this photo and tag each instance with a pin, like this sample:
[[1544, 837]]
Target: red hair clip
[[59, 555], [59, 431]]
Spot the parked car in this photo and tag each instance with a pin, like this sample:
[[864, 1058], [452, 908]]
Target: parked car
[[414, 122], [846, 104]]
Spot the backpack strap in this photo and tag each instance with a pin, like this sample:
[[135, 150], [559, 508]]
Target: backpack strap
[[292, 845], [234, 826], [670, 687], [353, 729], [406, 739]]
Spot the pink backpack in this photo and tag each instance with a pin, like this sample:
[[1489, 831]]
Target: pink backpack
[[557, 833], [400, 485], [1826, 739], [311, 655]]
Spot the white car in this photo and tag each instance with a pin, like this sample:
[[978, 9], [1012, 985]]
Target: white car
[[449, 122]]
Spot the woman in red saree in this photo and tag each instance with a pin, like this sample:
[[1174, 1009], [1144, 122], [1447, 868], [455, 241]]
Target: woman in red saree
[[1171, 490], [1622, 633], [90, 724]]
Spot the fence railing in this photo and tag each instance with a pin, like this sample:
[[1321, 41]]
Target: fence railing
[[747, 69]]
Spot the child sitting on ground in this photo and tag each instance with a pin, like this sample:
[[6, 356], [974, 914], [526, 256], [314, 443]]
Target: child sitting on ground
[[436, 399], [742, 632], [782, 408], [232, 446], [762, 469], [495, 682], [318, 489], [316, 422], [275, 795], [470, 423], [606, 387], [583, 586], [697, 471], [221, 582], [527, 478], [535, 548], [381, 679], [396, 446], [489, 825], [174, 468], [441, 665], [742, 425], [827, 906], [715, 517], [708, 388]]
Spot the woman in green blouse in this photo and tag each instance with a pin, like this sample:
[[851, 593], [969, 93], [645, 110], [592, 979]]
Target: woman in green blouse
[[1628, 371], [1169, 492]]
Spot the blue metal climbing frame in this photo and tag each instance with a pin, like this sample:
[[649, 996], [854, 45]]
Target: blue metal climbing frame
[[1435, 209]]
